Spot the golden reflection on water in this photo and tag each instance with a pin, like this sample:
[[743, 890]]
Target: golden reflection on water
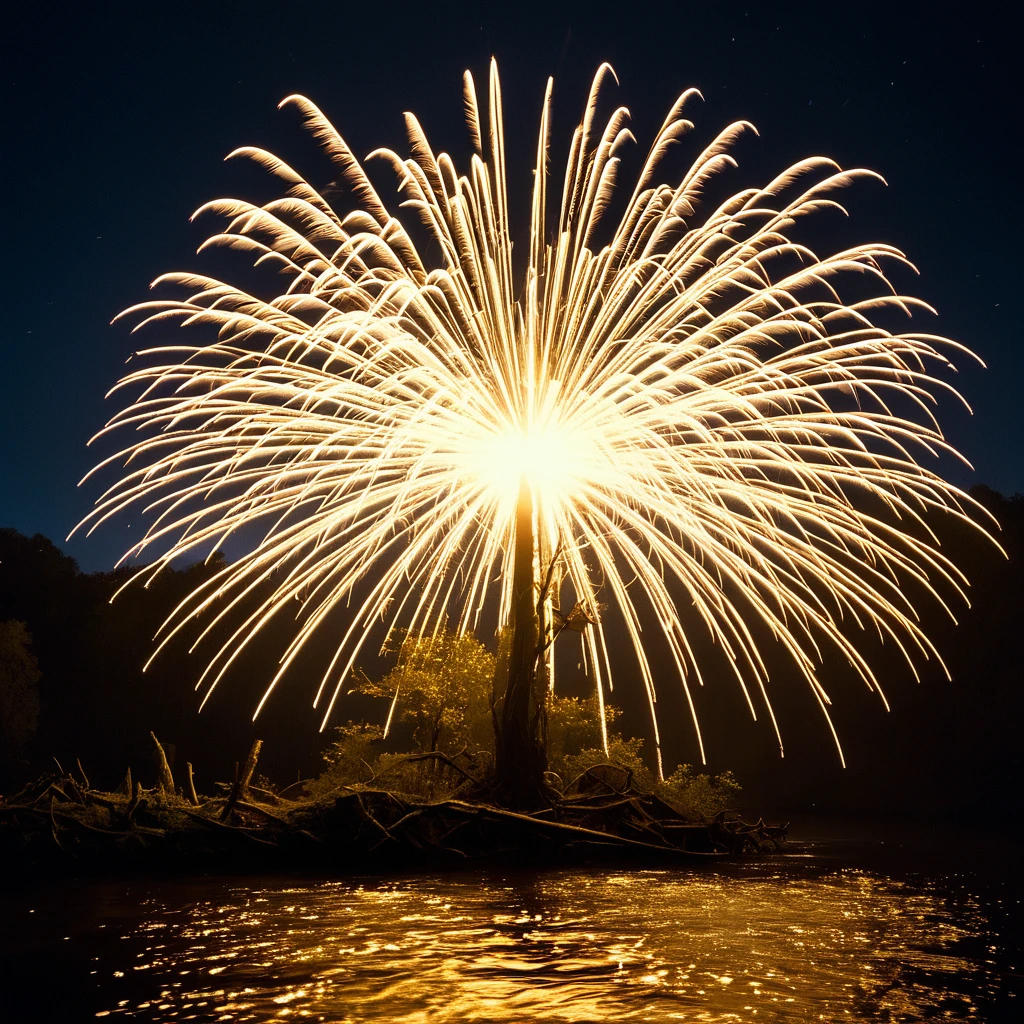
[[570, 946]]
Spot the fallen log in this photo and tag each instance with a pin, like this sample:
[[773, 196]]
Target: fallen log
[[220, 825], [575, 831], [256, 809], [133, 804], [78, 823]]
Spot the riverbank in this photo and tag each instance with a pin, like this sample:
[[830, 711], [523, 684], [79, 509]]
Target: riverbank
[[60, 824]]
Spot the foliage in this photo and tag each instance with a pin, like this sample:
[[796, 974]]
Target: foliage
[[623, 753], [428, 778], [574, 745], [696, 795], [357, 759], [574, 724], [19, 697], [350, 758], [443, 685], [261, 781]]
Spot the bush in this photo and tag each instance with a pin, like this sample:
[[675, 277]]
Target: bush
[[428, 778], [623, 753], [350, 758], [698, 796], [574, 741], [358, 758]]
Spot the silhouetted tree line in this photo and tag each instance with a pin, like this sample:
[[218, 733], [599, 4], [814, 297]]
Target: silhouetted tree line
[[947, 747], [96, 703]]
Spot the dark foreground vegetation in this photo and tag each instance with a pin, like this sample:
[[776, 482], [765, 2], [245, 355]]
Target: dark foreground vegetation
[[423, 810]]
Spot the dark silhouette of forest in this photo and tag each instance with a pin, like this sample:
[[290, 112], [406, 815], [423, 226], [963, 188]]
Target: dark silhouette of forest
[[96, 703], [950, 748]]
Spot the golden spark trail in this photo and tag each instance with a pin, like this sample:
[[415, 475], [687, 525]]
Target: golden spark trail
[[700, 415]]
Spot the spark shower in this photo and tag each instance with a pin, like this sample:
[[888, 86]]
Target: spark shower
[[695, 407]]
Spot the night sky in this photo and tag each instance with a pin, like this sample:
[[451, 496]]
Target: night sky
[[117, 120]]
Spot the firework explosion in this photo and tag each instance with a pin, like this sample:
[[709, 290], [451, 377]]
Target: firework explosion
[[700, 417]]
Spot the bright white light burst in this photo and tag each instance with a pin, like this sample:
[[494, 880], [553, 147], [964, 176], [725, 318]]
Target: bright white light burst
[[710, 415]]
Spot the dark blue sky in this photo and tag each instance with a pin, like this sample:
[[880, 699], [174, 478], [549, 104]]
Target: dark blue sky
[[116, 120]]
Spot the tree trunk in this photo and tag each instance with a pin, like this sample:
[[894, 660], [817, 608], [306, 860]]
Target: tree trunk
[[520, 749]]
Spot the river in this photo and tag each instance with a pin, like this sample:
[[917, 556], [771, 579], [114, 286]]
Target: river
[[833, 930]]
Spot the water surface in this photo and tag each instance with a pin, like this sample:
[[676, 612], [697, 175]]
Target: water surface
[[828, 932]]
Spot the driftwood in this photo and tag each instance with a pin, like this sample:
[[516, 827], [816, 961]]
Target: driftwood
[[432, 755], [190, 786], [240, 787], [135, 800], [223, 827], [564, 830], [229, 804], [60, 819], [263, 812], [110, 802], [53, 823], [295, 791], [165, 780], [250, 767]]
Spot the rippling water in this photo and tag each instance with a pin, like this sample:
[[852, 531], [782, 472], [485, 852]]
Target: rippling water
[[805, 937]]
